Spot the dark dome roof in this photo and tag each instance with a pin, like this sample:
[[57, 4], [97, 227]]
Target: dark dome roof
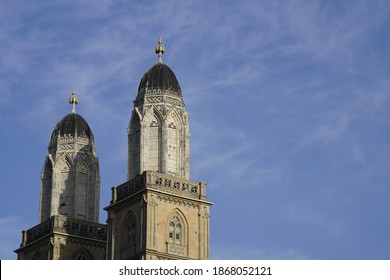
[[160, 76], [70, 125]]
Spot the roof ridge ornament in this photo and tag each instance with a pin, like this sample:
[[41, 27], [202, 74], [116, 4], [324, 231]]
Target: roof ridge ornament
[[73, 100], [160, 49]]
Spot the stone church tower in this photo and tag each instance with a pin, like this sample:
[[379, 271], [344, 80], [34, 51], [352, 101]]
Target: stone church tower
[[70, 194], [158, 213]]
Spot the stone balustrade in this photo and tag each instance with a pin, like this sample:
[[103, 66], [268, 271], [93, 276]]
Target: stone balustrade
[[162, 182], [63, 224]]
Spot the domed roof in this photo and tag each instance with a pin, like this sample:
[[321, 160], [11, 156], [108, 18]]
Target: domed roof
[[72, 124], [161, 77]]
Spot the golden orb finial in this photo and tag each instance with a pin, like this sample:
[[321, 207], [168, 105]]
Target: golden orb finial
[[73, 100], [160, 49]]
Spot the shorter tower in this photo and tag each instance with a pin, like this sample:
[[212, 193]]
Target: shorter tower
[[70, 196], [70, 182], [159, 213]]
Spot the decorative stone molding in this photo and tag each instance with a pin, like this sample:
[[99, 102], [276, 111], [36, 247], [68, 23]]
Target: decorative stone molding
[[66, 138], [176, 249], [174, 101], [155, 99], [160, 92], [66, 146], [178, 202], [87, 244], [205, 213]]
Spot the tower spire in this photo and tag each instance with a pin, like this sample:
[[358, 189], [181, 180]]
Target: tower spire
[[160, 49], [73, 100]]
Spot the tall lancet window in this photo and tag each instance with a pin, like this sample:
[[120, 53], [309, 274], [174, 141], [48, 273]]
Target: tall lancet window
[[172, 149], [134, 147], [129, 235], [130, 232], [154, 145], [81, 192], [64, 193], [175, 234]]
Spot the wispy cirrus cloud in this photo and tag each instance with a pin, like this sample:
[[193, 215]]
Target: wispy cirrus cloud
[[288, 101]]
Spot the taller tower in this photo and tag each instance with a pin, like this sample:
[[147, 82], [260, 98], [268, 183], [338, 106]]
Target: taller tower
[[158, 133], [159, 213], [70, 195]]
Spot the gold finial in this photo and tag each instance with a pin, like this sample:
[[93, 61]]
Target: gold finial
[[73, 100], [160, 50]]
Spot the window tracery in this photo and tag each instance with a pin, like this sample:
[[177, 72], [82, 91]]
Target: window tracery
[[175, 234]]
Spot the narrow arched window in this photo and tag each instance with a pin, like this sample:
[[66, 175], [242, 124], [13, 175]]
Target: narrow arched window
[[82, 254], [129, 237], [175, 234], [172, 149], [130, 231]]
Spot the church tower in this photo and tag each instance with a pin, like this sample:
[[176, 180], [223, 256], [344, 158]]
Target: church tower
[[158, 133], [70, 181], [70, 195], [159, 213]]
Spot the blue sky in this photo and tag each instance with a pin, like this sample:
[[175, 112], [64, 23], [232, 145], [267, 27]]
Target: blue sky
[[288, 106]]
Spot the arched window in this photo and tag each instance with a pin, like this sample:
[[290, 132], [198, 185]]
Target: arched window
[[82, 254], [134, 136], [154, 145], [173, 145], [175, 234], [64, 192], [130, 231], [129, 237], [81, 198]]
